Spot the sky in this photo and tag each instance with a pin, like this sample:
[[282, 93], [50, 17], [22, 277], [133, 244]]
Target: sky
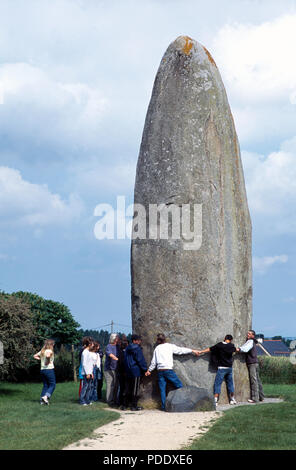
[[75, 82]]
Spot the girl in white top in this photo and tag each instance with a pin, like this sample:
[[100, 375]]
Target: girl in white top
[[96, 370], [88, 360], [46, 358]]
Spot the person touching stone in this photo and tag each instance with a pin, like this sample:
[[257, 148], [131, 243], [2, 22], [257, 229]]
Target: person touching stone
[[162, 360], [223, 353], [249, 348]]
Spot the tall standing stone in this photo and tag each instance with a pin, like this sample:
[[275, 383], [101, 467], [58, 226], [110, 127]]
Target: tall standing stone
[[190, 155]]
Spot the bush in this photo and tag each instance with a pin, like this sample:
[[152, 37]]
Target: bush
[[63, 365], [17, 333], [277, 370]]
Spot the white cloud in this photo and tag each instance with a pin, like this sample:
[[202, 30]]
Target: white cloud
[[259, 72], [271, 185], [261, 265], [97, 177], [257, 60], [263, 124], [25, 203], [37, 108]]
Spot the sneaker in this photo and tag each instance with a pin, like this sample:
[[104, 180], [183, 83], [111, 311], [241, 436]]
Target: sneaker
[[232, 401], [136, 408], [84, 404], [45, 399], [251, 401]]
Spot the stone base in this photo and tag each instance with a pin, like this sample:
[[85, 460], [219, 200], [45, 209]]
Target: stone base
[[188, 399], [204, 378]]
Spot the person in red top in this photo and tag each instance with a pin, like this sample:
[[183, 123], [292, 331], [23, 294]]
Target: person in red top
[[223, 353]]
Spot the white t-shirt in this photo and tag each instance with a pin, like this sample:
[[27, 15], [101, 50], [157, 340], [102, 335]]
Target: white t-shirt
[[98, 360], [163, 356], [88, 361]]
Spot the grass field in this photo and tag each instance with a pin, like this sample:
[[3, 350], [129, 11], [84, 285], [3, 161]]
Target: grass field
[[255, 427], [25, 424]]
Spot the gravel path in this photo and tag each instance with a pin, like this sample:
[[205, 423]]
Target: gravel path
[[153, 429]]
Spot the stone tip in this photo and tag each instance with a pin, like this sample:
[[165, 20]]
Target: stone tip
[[184, 43]]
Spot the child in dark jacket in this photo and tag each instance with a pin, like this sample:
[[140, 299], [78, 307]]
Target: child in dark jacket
[[135, 366], [121, 372]]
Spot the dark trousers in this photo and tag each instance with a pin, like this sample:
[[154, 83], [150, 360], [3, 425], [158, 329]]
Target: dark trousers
[[49, 382], [99, 388], [132, 390], [97, 376], [122, 379]]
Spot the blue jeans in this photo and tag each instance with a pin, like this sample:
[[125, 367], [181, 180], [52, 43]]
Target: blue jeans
[[165, 376], [49, 382], [86, 391], [220, 376], [97, 377]]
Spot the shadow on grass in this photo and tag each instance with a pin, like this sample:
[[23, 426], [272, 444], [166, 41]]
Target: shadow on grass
[[9, 391]]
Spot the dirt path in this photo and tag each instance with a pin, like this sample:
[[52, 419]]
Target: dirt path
[[148, 430], [153, 430]]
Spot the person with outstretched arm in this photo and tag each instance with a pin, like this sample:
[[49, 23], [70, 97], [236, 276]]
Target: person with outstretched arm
[[162, 360], [249, 348], [223, 353]]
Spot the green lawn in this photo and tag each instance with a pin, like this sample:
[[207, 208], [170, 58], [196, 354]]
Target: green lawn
[[25, 424], [256, 427]]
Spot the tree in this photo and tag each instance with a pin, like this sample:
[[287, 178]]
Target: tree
[[16, 334], [51, 319]]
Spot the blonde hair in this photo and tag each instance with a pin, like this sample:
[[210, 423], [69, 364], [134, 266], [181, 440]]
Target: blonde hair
[[48, 344]]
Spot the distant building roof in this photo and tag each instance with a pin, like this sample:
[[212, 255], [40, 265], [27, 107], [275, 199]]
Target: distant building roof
[[275, 347]]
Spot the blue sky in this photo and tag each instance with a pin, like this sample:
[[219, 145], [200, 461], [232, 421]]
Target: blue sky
[[75, 82]]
